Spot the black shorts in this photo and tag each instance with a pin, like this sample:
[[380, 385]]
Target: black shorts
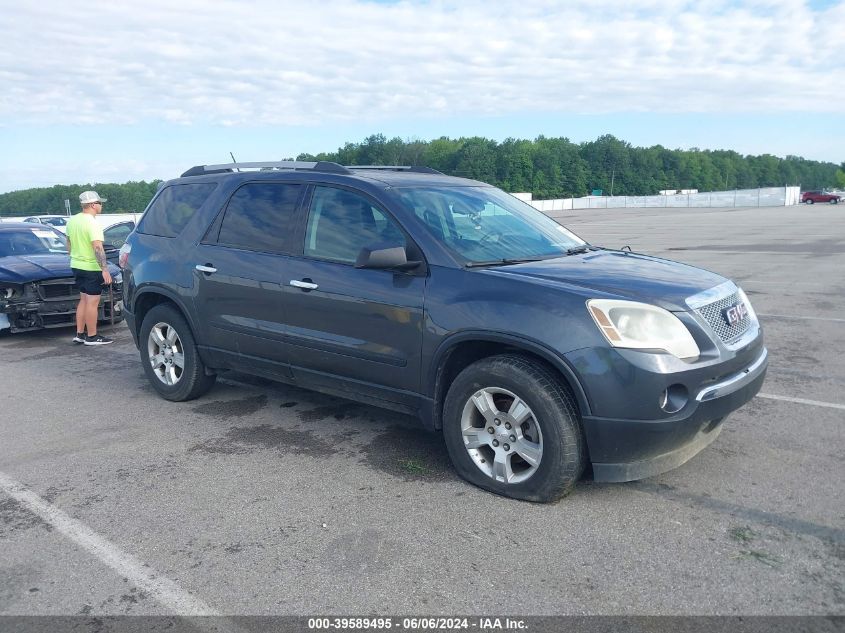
[[90, 282]]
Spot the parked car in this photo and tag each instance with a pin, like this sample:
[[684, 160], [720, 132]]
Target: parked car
[[811, 197], [114, 236], [37, 287], [58, 222], [535, 353]]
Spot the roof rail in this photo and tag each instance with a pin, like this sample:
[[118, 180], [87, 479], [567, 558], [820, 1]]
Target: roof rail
[[418, 169], [200, 170]]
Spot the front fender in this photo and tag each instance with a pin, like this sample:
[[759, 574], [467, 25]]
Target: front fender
[[432, 379], [143, 294]]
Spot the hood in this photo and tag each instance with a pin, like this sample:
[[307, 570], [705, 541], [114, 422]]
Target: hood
[[631, 276], [23, 269]]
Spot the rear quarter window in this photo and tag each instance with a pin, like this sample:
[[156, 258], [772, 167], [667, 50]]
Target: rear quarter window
[[173, 208]]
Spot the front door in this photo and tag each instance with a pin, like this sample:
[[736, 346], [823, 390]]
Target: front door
[[352, 329]]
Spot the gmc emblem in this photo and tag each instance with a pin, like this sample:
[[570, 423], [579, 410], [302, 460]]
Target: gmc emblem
[[735, 313]]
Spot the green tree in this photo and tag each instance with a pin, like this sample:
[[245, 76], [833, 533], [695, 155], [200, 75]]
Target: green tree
[[545, 167], [839, 177]]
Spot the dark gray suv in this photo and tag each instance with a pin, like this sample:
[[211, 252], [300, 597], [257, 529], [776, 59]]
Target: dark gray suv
[[535, 353]]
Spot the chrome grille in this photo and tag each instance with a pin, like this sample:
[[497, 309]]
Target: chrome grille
[[712, 313]]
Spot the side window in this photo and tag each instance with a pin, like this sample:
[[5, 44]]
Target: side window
[[117, 234], [341, 223], [173, 208], [259, 216]]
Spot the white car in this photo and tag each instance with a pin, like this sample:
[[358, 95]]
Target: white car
[[114, 235], [116, 226], [58, 222]]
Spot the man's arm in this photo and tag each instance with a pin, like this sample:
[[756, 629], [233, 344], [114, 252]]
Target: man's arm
[[100, 254]]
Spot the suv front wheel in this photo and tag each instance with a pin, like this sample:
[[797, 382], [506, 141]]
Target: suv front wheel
[[169, 356], [512, 428]]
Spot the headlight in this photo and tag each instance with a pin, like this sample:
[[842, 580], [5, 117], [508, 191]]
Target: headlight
[[635, 325], [751, 314], [117, 278]]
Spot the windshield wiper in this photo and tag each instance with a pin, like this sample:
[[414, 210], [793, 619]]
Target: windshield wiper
[[502, 262], [577, 250]]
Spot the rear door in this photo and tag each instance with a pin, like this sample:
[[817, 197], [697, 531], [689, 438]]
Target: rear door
[[351, 328], [240, 270]]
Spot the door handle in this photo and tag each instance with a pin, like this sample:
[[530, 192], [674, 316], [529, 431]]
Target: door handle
[[206, 269], [305, 285]]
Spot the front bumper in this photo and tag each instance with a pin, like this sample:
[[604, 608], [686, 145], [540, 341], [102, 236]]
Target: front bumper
[[131, 323], [624, 449], [53, 304]]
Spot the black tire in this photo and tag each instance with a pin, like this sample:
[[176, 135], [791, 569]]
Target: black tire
[[808, 201], [554, 425], [188, 382], [834, 201]]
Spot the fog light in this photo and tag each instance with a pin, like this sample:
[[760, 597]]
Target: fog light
[[674, 398]]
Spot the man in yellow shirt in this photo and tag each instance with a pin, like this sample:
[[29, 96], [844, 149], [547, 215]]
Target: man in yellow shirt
[[89, 265]]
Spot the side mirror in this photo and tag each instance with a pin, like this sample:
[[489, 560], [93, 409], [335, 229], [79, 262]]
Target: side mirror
[[390, 257]]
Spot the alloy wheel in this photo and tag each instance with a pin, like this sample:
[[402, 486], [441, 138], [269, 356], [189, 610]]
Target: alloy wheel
[[502, 435], [167, 355]]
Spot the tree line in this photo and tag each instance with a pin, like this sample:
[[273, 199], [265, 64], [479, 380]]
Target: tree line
[[129, 197], [545, 167], [559, 168]]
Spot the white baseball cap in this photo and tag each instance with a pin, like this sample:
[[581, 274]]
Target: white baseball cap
[[87, 197]]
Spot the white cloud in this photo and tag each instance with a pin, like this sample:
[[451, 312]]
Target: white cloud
[[270, 62]]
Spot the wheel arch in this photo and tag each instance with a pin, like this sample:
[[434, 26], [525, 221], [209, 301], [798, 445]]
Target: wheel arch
[[149, 297], [461, 350]]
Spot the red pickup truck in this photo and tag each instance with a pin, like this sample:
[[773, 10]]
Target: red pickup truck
[[811, 197]]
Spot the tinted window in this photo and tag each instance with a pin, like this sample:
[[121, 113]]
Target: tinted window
[[173, 207], [259, 215], [116, 235], [341, 223]]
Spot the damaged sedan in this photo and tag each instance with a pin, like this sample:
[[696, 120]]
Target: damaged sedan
[[37, 287]]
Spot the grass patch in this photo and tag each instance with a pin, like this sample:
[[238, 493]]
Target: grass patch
[[413, 466], [760, 557], [742, 534]]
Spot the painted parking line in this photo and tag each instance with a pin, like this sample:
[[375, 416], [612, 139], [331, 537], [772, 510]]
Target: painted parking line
[[804, 318], [162, 589], [815, 403]]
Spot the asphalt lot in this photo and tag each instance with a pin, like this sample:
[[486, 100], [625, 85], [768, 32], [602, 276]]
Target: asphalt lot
[[264, 499]]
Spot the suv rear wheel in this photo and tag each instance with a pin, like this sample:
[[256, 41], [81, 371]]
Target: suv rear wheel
[[512, 428], [169, 356]]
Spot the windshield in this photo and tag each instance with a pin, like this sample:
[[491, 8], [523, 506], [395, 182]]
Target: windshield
[[55, 221], [485, 224], [31, 242]]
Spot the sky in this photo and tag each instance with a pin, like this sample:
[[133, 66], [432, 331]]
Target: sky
[[114, 91]]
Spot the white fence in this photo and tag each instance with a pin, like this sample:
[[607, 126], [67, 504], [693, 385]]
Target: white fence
[[765, 197]]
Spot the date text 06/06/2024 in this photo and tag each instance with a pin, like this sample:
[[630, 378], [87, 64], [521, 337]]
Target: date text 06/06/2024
[[417, 623]]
